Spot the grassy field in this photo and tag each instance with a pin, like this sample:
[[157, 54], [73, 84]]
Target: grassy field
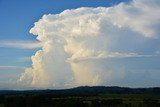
[[102, 100], [1, 105], [116, 100]]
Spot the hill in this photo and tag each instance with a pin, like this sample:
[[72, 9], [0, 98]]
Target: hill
[[85, 96], [85, 90]]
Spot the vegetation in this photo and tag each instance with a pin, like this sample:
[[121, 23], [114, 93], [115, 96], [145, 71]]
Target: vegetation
[[82, 97]]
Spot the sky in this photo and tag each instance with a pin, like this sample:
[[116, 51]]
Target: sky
[[63, 44]]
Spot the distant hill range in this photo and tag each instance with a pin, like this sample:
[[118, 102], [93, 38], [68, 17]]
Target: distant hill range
[[84, 91]]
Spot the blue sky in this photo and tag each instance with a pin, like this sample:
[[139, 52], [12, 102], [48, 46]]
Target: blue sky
[[18, 45], [25, 13], [17, 17]]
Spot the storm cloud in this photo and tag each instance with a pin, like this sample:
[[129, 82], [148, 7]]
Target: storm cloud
[[90, 46]]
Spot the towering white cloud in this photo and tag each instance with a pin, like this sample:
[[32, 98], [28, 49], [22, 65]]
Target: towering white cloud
[[78, 43]]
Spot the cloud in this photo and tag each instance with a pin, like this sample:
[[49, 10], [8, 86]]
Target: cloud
[[8, 67], [20, 44], [85, 46], [105, 55], [9, 75], [24, 59], [140, 16]]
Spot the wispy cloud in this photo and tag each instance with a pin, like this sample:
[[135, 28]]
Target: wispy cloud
[[20, 44], [9, 67], [106, 55], [24, 59]]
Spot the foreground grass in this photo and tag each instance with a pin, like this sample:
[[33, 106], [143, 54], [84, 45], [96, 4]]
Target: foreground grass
[[102, 100], [1, 105]]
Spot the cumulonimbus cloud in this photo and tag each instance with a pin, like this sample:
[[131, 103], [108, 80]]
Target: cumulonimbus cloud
[[78, 42]]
